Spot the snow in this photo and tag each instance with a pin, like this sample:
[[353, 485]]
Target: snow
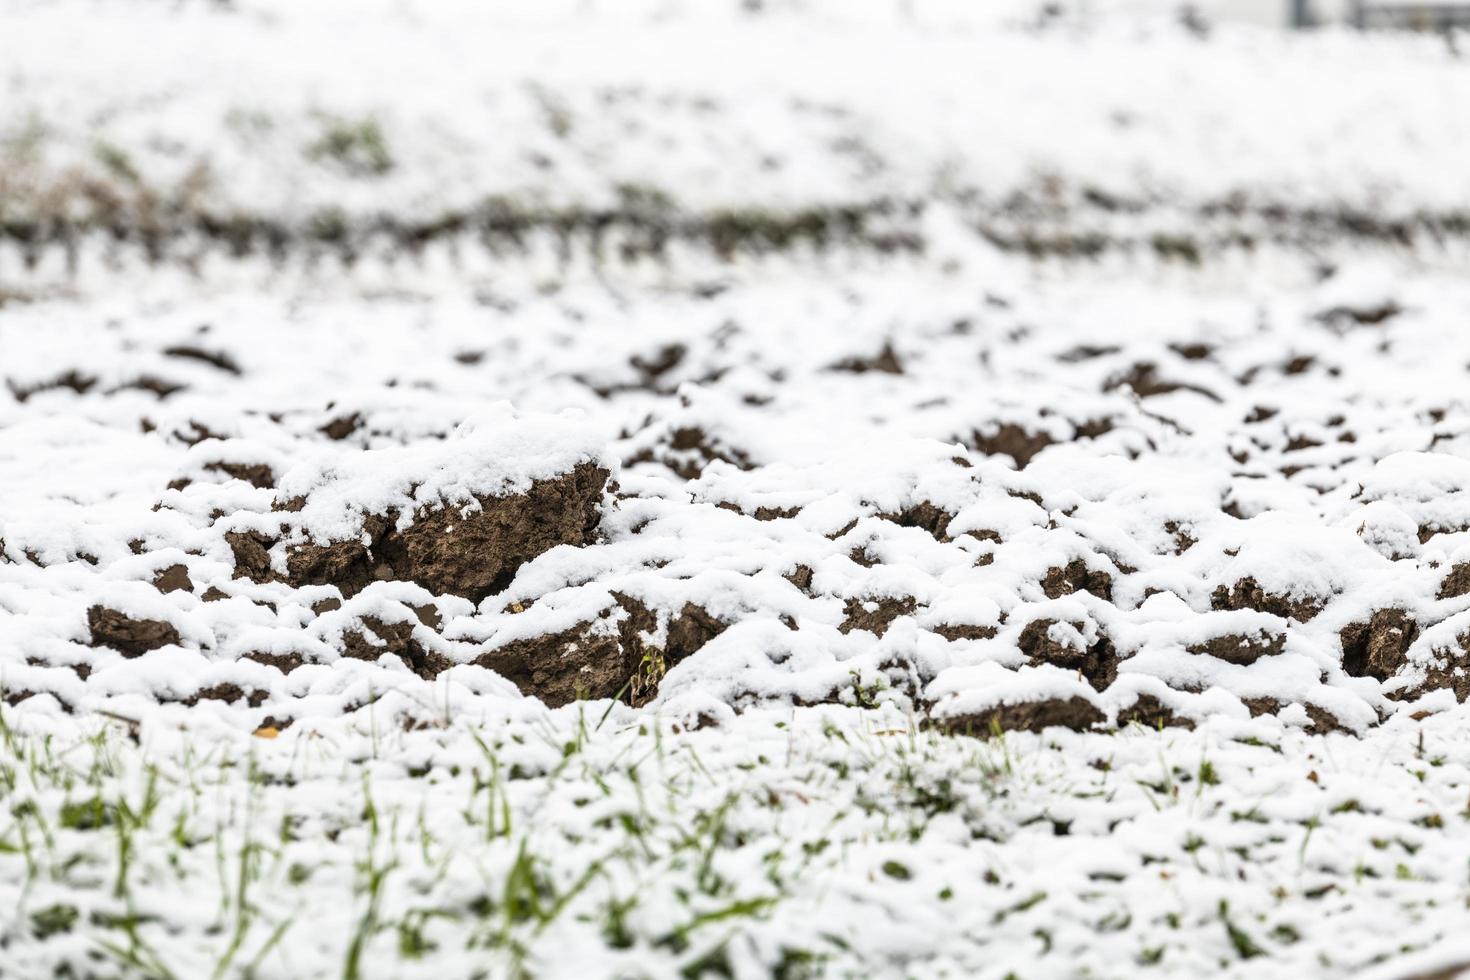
[[949, 362]]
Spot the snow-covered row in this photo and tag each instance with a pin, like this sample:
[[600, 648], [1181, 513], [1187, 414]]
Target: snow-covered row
[[264, 118]]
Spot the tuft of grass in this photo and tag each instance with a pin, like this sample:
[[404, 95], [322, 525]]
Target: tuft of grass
[[355, 146]]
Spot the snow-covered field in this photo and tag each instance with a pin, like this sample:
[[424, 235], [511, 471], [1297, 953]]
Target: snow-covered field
[[730, 489]]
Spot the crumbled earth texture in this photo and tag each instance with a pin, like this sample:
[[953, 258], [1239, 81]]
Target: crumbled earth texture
[[717, 488], [745, 525]]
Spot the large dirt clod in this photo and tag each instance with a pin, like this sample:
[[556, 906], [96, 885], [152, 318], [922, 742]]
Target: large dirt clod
[[1248, 594], [592, 660], [1241, 648], [130, 637], [1031, 716], [1378, 647], [444, 549], [1098, 663]]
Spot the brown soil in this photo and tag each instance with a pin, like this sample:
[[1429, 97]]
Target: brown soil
[[1451, 673], [394, 638], [1343, 316], [923, 515], [1034, 716], [477, 559], [1098, 663], [284, 662], [689, 450], [585, 662], [215, 359], [1011, 440], [690, 630], [1076, 577], [252, 554], [1241, 648], [130, 637], [1146, 382], [1322, 720], [1377, 648], [1248, 594], [801, 577], [73, 380], [1183, 540], [964, 631], [174, 578], [341, 427], [256, 474], [877, 620], [1150, 712], [1456, 582], [228, 693], [886, 361]]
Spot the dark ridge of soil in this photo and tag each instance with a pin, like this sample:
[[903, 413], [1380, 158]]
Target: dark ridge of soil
[[1456, 582], [1146, 382], [964, 631], [1077, 577], [1363, 316], [395, 638], [1010, 440], [586, 663], [763, 512], [1032, 716], [1092, 428], [664, 360], [130, 637], [74, 380], [1322, 720], [1241, 648], [479, 558], [174, 578], [1183, 540], [284, 662], [1085, 352], [876, 621], [572, 665], [215, 359], [258, 475], [688, 450], [197, 433], [1450, 673], [1193, 352], [162, 387], [923, 515], [214, 593], [1150, 712], [228, 693], [341, 427], [1248, 594], [690, 630], [1377, 648], [1427, 531], [252, 555], [801, 577], [1098, 664], [886, 361]]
